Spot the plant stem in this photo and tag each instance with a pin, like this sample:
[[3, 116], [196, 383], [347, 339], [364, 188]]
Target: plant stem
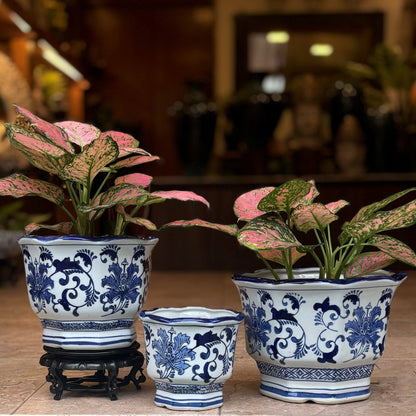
[[271, 270]]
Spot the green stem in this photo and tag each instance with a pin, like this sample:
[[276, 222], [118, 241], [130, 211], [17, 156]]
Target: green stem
[[271, 270]]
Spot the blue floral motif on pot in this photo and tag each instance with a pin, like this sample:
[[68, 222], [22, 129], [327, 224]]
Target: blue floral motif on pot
[[124, 280], [316, 339], [190, 354], [87, 291]]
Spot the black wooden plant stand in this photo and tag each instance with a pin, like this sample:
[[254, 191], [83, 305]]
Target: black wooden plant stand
[[106, 365]]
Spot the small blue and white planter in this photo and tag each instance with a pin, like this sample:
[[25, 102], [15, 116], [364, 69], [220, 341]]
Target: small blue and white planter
[[190, 354], [316, 340], [87, 291]]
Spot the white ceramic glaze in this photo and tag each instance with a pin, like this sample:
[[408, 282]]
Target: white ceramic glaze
[[316, 340], [190, 354], [87, 291]]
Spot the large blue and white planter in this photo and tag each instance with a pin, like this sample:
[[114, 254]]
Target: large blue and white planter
[[190, 354], [316, 340], [87, 291]]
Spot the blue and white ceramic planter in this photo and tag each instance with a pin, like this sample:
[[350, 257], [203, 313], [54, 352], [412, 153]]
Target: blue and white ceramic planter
[[190, 354], [87, 291], [316, 340]]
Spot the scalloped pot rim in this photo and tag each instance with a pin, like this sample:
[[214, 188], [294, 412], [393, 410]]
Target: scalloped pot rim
[[191, 315], [69, 239], [373, 277]]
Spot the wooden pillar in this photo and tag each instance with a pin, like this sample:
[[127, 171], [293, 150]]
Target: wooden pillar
[[76, 100], [20, 55]]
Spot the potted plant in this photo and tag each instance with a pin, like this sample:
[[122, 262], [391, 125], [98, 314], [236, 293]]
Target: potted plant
[[316, 333], [86, 289], [190, 354]]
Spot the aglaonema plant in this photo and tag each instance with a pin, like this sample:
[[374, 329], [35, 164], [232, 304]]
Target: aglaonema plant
[[85, 162], [270, 220]]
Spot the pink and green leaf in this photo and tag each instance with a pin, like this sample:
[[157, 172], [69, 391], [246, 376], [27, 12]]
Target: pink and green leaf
[[136, 179], [85, 166], [180, 196], [126, 143], [401, 217], [42, 154], [136, 220], [287, 196], [312, 217], [277, 255], [81, 134], [228, 229], [123, 194], [245, 206], [18, 185], [52, 133], [368, 211], [334, 207], [394, 248], [367, 263], [133, 161], [63, 227], [267, 232]]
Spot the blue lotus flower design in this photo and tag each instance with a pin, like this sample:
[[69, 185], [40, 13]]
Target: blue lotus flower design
[[172, 354], [38, 280], [124, 280], [365, 330]]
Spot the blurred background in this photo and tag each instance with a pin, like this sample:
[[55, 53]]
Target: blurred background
[[231, 94]]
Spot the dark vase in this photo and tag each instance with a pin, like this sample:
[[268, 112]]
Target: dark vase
[[195, 120]]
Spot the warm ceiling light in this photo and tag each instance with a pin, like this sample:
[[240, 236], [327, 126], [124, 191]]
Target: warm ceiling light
[[278, 36], [321, 49]]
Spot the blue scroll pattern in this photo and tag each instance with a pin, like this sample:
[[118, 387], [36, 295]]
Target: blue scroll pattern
[[208, 355], [278, 328], [123, 285]]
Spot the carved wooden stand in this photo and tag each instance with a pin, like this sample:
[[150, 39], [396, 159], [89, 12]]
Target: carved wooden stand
[[57, 360]]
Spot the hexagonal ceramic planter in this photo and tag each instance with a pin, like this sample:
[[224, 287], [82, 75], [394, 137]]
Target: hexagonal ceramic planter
[[87, 291], [316, 340], [190, 354]]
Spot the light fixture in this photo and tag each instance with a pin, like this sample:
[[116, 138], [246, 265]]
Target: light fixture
[[20, 22], [278, 36], [50, 54], [321, 49]]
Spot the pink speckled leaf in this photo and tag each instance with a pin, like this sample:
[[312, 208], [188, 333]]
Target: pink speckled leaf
[[86, 165], [267, 232], [123, 194], [245, 206], [368, 262], [18, 185], [401, 217], [136, 220], [81, 134], [311, 217], [43, 155], [63, 227], [229, 229], [50, 131], [394, 248], [287, 196], [180, 196], [137, 179], [126, 143], [369, 210], [277, 255], [334, 207], [133, 161]]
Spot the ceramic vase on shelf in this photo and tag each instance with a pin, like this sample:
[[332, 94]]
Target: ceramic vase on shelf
[[190, 354], [316, 340], [87, 291]]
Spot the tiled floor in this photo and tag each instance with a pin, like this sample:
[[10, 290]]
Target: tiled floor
[[23, 389]]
